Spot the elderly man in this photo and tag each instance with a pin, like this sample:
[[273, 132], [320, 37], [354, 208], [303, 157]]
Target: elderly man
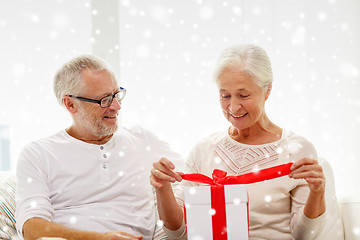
[[89, 181]]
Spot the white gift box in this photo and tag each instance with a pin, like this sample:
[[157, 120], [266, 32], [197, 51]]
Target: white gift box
[[199, 212]]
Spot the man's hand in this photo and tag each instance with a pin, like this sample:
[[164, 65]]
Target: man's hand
[[121, 236]]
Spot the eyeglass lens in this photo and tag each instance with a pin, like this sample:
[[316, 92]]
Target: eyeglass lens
[[106, 101]]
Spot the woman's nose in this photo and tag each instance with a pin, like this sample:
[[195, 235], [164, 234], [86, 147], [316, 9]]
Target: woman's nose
[[235, 105]]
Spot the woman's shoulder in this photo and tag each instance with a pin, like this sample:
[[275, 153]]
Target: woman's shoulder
[[291, 136], [297, 145]]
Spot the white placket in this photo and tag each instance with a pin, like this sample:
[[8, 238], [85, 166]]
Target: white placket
[[104, 164]]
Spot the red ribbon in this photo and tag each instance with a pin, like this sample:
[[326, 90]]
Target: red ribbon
[[217, 182]]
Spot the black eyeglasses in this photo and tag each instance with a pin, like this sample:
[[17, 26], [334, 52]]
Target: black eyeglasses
[[105, 101]]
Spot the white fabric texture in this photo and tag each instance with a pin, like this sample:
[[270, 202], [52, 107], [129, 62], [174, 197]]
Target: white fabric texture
[[275, 206], [91, 187]]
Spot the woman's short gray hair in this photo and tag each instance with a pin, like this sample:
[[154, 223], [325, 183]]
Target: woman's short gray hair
[[249, 58], [68, 78]]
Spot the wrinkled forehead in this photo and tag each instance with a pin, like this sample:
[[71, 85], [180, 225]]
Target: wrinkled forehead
[[99, 82]]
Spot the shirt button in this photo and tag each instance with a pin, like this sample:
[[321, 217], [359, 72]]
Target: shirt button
[[104, 155], [104, 166], [101, 147]]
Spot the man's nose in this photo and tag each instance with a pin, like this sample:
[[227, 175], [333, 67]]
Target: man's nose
[[115, 104]]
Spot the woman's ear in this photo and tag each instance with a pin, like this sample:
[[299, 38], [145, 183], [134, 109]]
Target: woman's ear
[[69, 104], [268, 91]]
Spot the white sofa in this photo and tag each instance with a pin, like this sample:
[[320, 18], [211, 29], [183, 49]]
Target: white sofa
[[348, 224]]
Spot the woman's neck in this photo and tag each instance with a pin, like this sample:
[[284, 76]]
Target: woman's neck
[[256, 134]]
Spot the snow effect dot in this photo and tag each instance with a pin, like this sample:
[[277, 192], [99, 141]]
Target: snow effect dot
[[198, 238], [60, 20], [237, 201], [159, 13], [160, 223], [29, 180], [125, 3], [194, 38], [192, 191], [279, 150], [344, 26], [94, 12], [322, 16], [35, 18], [148, 33], [356, 231], [268, 198], [5, 229], [349, 70], [121, 154], [237, 10], [294, 147], [33, 204], [97, 31], [73, 219], [256, 169], [53, 34], [187, 205], [19, 69], [148, 148], [206, 12], [298, 37], [143, 51], [121, 173], [212, 212], [256, 11], [217, 160]]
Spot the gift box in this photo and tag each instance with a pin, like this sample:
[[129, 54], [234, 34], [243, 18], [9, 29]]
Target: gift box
[[220, 211], [205, 221]]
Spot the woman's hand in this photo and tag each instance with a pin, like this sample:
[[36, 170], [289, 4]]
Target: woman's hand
[[163, 173], [310, 170]]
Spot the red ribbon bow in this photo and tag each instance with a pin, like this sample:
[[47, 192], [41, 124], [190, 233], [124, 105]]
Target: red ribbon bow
[[217, 182]]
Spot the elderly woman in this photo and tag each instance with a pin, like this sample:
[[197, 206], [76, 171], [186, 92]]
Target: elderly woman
[[284, 208]]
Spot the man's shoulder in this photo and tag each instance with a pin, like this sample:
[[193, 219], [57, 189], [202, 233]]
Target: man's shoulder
[[134, 133], [211, 140], [43, 142]]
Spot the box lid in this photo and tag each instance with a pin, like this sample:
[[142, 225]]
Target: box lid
[[234, 194]]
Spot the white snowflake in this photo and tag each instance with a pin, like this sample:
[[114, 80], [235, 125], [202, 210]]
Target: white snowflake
[[212, 211]]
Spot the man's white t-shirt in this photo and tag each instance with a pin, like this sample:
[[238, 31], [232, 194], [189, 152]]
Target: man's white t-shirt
[[101, 188]]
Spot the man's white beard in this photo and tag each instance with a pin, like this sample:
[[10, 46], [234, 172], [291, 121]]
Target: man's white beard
[[95, 125]]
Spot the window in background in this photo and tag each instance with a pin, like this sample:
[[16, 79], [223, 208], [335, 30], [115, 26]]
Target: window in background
[[4, 148]]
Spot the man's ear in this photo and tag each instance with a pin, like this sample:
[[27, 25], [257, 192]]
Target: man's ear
[[69, 104], [268, 91]]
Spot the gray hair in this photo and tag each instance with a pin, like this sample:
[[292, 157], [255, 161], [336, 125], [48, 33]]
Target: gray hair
[[68, 79], [249, 58]]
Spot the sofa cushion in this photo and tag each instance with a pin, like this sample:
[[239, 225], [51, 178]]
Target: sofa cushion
[[7, 207]]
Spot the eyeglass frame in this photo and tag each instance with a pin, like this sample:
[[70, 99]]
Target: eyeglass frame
[[99, 101]]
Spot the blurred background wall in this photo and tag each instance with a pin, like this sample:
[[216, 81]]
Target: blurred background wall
[[164, 52]]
